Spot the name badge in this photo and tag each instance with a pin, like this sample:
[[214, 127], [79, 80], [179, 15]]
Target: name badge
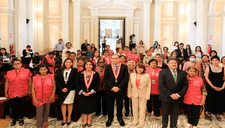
[[153, 81]]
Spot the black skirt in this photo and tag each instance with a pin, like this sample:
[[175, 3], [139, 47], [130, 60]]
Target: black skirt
[[87, 104]]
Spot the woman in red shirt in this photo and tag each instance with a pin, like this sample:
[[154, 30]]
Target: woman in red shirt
[[134, 56], [95, 57], [107, 57], [17, 87], [153, 71], [194, 97], [43, 93]]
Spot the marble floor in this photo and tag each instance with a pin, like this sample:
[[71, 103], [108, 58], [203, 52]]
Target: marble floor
[[99, 122]]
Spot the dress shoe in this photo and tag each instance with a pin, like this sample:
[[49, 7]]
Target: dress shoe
[[13, 123], [68, 123], [121, 122], [109, 122], [126, 114]]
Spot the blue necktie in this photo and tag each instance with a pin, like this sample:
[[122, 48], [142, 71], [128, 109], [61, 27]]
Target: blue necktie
[[116, 67]]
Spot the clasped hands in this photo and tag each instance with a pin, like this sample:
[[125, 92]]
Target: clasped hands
[[174, 96], [218, 89], [87, 94], [64, 90], [115, 89]]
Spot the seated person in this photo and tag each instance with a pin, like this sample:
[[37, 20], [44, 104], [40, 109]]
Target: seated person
[[35, 62]]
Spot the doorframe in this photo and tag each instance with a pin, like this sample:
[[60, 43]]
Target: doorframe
[[108, 18]]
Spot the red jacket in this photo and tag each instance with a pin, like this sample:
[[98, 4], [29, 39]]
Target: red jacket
[[110, 52], [194, 92], [154, 80], [52, 62], [18, 82], [43, 89], [107, 60]]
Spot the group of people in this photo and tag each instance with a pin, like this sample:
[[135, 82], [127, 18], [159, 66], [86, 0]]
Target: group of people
[[161, 79]]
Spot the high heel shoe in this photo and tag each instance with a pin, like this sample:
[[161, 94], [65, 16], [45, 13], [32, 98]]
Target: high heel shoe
[[89, 125], [84, 125]]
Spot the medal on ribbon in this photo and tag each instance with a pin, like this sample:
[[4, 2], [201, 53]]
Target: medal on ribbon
[[116, 74], [88, 83]]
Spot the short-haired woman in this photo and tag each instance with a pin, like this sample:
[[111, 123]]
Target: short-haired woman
[[87, 87], [139, 88], [43, 93], [17, 87], [194, 97]]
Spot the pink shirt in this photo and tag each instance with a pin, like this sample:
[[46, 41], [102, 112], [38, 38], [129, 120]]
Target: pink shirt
[[137, 82], [154, 80], [194, 91], [134, 58]]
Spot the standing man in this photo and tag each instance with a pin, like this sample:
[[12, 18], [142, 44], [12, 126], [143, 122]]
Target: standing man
[[89, 52], [121, 42], [84, 45], [173, 85], [104, 43], [59, 46], [116, 78], [182, 53]]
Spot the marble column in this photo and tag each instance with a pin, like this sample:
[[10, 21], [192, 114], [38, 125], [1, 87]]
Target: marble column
[[192, 27], [94, 30], [65, 20], [222, 42], [201, 28], [157, 24], [146, 24], [76, 25], [22, 27], [30, 27]]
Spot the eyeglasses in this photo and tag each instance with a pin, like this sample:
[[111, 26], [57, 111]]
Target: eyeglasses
[[101, 62]]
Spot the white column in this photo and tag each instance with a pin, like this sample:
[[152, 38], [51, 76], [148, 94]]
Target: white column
[[192, 27], [65, 20], [30, 27], [76, 25], [94, 30], [157, 24], [222, 42], [201, 30], [121, 28], [22, 28], [146, 24]]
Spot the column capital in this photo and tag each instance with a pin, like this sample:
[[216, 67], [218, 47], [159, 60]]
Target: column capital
[[147, 2], [159, 2], [76, 2]]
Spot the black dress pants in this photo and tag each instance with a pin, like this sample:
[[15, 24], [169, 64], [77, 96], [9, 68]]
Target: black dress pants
[[14, 103], [127, 104], [102, 102], [119, 105], [174, 114], [157, 105], [193, 113]]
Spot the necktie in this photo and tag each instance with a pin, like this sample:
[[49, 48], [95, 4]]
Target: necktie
[[182, 51], [174, 75], [116, 67]]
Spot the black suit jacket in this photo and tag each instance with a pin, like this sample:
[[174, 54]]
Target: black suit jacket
[[60, 83], [84, 47], [179, 53], [168, 86], [122, 80]]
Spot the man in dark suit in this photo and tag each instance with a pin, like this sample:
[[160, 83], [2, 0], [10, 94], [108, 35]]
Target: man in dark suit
[[84, 45], [182, 53], [173, 86], [116, 77]]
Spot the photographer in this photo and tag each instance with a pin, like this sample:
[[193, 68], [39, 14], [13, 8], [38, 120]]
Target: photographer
[[27, 54], [5, 59]]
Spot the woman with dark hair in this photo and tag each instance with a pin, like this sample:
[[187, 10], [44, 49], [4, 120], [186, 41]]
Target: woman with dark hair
[[175, 46], [189, 51], [74, 59], [6, 60], [214, 76], [139, 88], [147, 57], [118, 45], [155, 44], [174, 55], [78, 54], [123, 59], [205, 63], [107, 57], [65, 81], [43, 93], [58, 59], [160, 63], [222, 64], [95, 57], [158, 49], [193, 62], [93, 48], [134, 56], [153, 72], [50, 62], [35, 61], [87, 86], [141, 48], [166, 54], [17, 86], [212, 53], [101, 94], [198, 53]]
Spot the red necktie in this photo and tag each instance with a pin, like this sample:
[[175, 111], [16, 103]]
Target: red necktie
[[182, 53]]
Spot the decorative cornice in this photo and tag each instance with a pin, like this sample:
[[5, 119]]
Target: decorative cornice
[[147, 2]]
